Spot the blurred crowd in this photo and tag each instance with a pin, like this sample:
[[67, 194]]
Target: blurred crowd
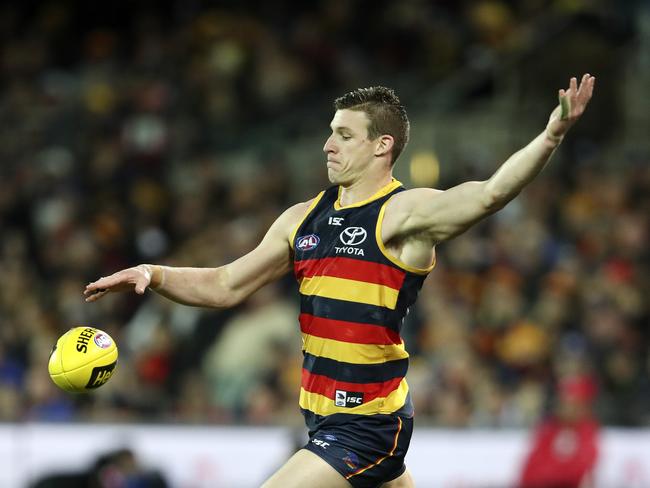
[[115, 124]]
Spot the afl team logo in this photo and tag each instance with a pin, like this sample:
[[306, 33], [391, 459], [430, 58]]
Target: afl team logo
[[307, 243], [102, 340], [353, 236]]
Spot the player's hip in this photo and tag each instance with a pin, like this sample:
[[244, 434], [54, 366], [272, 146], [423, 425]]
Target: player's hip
[[367, 450]]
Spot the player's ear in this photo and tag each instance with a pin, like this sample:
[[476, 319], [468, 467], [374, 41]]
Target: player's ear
[[384, 144]]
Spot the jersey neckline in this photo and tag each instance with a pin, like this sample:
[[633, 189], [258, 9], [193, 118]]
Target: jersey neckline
[[380, 193]]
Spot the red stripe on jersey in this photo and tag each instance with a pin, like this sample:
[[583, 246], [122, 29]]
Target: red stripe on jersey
[[351, 269], [325, 386], [341, 330]]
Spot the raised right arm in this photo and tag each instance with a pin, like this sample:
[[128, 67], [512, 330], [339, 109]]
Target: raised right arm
[[435, 216], [220, 287]]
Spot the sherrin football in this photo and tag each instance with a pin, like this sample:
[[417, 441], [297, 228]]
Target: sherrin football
[[82, 359]]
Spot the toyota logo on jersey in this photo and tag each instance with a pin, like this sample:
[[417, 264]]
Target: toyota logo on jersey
[[307, 243], [353, 236]]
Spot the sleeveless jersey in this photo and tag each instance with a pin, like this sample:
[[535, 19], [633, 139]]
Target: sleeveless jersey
[[354, 297]]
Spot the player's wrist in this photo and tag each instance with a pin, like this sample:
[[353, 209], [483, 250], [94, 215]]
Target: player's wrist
[[157, 278], [552, 139]]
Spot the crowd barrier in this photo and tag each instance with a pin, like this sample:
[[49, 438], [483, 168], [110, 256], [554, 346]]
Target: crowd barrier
[[242, 457]]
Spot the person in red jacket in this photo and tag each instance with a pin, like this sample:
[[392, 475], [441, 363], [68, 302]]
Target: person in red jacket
[[564, 449]]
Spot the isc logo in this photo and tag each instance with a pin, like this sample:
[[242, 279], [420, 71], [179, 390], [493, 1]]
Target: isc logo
[[320, 443], [335, 221], [348, 398]]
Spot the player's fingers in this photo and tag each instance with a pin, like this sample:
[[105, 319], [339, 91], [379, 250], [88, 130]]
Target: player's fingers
[[141, 285], [92, 290], [102, 283], [590, 86], [582, 94], [585, 91], [96, 295], [119, 281], [573, 84], [92, 286], [582, 86]]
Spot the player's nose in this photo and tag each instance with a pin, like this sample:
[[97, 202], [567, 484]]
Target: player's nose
[[329, 145]]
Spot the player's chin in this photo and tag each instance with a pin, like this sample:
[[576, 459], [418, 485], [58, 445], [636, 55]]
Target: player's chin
[[335, 177]]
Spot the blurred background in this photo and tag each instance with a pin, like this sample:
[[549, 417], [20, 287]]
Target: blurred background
[[175, 132]]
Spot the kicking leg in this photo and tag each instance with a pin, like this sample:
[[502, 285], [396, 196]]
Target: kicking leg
[[305, 468]]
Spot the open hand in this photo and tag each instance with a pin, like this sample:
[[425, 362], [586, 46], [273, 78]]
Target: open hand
[[136, 279], [573, 103]]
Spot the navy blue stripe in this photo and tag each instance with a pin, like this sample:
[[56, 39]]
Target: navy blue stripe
[[408, 294], [355, 421], [331, 308], [327, 246], [355, 373]]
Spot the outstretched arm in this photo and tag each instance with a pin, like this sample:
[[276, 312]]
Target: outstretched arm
[[220, 287], [441, 215]]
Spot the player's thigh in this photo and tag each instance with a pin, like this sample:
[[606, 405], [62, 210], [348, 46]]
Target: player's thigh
[[403, 481], [304, 469]]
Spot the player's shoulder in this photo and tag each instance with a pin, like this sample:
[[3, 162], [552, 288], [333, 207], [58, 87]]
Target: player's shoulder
[[410, 197], [302, 207], [401, 209], [418, 192], [297, 211]]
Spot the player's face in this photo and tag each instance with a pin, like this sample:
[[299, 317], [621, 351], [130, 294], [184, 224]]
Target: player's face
[[349, 151]]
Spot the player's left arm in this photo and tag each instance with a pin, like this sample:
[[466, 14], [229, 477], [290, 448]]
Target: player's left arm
[[441, 215]]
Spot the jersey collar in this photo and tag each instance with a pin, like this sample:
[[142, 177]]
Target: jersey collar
[[381, 193]]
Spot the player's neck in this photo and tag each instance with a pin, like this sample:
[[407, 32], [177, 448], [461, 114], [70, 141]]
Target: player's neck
[[362, 189]]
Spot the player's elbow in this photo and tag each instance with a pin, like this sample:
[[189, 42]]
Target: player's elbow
[[218, 290], [494, 198], [221, 302]]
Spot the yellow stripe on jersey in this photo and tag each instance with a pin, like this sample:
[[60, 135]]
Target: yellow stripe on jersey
[[347, 352], [322, 405], [350, 290]]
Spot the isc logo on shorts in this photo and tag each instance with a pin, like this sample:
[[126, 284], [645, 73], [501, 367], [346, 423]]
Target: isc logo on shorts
[[348, 398], [320, 443]]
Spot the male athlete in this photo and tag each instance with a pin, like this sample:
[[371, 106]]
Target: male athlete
[[360, 251]]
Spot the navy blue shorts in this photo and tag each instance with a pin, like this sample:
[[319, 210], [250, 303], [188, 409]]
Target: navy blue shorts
[[366, 450]]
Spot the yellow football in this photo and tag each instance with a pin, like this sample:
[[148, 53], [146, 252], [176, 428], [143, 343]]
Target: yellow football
[[82, 359]]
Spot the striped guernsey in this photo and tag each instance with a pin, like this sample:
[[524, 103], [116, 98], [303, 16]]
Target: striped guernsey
[[354, 297]]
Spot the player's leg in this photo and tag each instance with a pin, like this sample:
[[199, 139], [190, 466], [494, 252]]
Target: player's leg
[[403, 481], [305, 468]]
